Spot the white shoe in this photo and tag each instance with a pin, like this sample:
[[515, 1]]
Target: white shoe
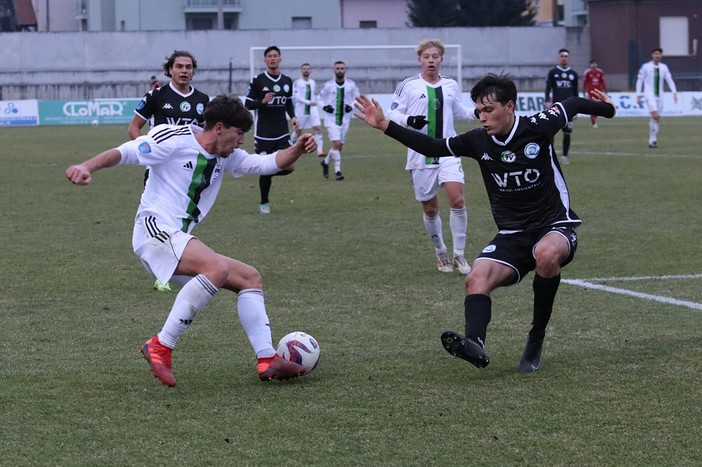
[[264, 208], [594, 125], [444, 265], [461, 265], [564, 160]]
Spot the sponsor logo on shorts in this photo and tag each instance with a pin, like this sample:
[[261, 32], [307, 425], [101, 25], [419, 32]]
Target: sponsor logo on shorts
[[489, 249]]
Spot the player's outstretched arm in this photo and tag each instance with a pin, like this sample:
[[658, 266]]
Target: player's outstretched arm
[[81, 174], [370, 111], [305, 144]]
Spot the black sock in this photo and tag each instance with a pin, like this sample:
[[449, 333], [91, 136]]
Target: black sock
[[544, 296], [566, 145], [478, 311], [264, 184]]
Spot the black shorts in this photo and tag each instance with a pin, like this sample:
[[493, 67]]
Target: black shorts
[[517, 250], [568, 129], [269, 146]]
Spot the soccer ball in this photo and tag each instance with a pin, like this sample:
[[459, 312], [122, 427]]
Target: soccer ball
[[300, 347], [95, 122]]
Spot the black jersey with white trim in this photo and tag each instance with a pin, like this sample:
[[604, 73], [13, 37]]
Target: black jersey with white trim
[[524, 182], [166, 105], [562, 82], [271, 120]]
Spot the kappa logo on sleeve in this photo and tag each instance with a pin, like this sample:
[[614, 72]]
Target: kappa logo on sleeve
[[144, 148]]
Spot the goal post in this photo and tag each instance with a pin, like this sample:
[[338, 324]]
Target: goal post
[[365, 59]]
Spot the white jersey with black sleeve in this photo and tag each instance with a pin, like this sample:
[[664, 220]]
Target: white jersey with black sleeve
[[184, 178], [438, 102]]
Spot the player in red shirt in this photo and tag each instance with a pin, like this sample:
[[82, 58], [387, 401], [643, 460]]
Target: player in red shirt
[[593, 78]]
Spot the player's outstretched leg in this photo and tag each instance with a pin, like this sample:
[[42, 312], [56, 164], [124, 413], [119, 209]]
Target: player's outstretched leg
[[460, 346]]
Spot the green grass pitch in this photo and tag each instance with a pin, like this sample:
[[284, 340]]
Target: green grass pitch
[[349, 263]]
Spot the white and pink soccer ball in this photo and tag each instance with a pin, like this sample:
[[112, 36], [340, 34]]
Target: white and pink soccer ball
[[301, 348]]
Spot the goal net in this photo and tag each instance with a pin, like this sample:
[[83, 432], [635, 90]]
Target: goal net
[[375, 68]]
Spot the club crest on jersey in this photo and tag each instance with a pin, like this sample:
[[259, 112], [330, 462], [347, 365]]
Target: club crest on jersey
[[200, 108], [393, 106], [531, 150], [276, 88], [185, 106], [141, 105], [508, 156], [286, 88], [144, 148]]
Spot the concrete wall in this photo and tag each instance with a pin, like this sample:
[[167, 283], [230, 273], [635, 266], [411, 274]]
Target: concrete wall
[[93, 65]]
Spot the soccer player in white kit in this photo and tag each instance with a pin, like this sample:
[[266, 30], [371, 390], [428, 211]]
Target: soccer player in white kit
[[650, 88], [304, 95], [428, 102], [187, 165], [337, 96]]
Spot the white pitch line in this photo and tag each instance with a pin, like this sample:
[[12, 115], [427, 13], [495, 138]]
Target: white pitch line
[[645, 296], [644, 278]]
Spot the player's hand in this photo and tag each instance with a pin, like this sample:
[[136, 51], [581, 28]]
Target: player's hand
[[268, 97], [417, 121], [295, 123], [79, 175], [328, 109], [370, 111], [639, 100], [306, 143], [348, 108], [599, 96]]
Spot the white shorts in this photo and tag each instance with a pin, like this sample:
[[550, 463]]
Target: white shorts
[[338, 132], [159, 246], [309, 121], [426, 182], [654, 104]]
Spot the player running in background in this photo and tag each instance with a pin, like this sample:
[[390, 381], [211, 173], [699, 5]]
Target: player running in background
[[187, 165], [528, 197], [428, 102], [562, 83], [650, 88], [304, 94], [177, 103], [593, 78], [270, 95], [337, 96]]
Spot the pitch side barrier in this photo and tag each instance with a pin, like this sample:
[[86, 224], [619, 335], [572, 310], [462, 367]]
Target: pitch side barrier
[[34, 112]]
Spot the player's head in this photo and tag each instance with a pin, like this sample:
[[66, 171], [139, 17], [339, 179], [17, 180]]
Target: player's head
[[593, 64], [339, 70], [431, 55], [495, 97], [563, 57], [180, 60], [429, 43], [228, 118], [657, 55], [305, 70], [272, 58]]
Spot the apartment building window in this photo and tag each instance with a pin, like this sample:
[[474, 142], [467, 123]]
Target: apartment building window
[[302, 22], [368, 24], [675, 35]]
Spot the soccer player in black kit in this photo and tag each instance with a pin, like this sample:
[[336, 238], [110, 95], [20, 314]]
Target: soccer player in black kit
[[562, 83], [529, 200], [270, 95]]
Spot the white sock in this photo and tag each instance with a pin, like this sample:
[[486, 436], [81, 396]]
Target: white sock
[[434, 229], [190, 300], [337, 160], [458, 220], [254, 320], [319, 139], [328, 157], [653, 127]]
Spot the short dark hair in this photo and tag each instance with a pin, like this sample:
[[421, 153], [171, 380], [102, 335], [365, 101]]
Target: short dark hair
[[657, 49], [171, 60], [500, 86], [230, 111], [270, 48], [564, 50]]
